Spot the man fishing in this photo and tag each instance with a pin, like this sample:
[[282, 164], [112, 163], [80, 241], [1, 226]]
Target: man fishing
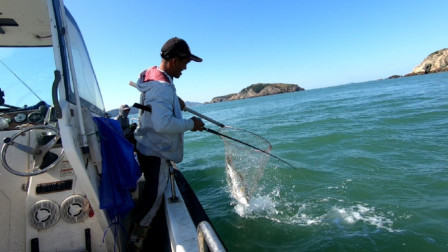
[[160, 133]]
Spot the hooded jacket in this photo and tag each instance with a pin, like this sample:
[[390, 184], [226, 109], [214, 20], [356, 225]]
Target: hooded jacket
[[160, 132], [124, 121]]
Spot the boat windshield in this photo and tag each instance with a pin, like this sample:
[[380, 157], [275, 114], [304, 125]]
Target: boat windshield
[[26, 76], [82, 70]]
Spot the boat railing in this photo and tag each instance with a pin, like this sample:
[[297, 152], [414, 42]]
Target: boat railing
[[173, 198], [208, 240]]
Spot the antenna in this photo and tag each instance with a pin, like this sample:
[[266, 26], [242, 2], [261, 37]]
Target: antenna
[[40, 99]]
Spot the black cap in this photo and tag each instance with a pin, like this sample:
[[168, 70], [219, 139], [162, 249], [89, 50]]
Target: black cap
[[177, 47]]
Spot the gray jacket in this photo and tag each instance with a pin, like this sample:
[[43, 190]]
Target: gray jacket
[[161, 132]]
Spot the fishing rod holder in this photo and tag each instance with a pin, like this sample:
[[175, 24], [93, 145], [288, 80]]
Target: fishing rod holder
[[173, 197]]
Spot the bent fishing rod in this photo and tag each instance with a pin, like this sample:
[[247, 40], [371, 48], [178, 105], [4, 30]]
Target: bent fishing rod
[[231, 138]]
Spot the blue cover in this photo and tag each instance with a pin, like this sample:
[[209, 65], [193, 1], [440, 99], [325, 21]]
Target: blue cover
[[120, 169]]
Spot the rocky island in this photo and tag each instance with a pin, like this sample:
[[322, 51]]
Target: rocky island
[[436, 62], [260, 89]]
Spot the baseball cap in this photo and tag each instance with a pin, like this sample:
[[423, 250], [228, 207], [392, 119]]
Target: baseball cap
[[177, 47], [125, 107]]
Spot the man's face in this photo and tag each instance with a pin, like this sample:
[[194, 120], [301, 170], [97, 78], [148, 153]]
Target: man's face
[[179, 65]]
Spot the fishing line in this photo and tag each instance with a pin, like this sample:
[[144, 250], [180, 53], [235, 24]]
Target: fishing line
[[40, 99]]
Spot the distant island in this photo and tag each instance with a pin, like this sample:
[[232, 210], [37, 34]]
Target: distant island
[[436, 62], [259, 89], [254, 90]]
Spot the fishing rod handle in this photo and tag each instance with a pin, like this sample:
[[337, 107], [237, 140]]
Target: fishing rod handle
[[204, 117]]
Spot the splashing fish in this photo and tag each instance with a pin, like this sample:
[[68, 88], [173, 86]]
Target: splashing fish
[[236, 184]]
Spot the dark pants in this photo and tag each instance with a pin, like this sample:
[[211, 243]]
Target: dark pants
[[150, 166]]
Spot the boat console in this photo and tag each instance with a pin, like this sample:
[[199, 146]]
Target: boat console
[[14, 118], [17, 119]]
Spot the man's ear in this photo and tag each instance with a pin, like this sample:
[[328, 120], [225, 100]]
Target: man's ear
[[174, 61]]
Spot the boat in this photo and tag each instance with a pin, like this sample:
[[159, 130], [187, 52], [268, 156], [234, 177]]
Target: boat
[[52, 158]]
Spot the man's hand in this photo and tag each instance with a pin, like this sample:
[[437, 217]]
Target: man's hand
[[182, 104], [198, 124]]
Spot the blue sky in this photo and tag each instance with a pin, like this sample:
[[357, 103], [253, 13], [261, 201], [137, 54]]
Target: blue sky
[[313, 44]]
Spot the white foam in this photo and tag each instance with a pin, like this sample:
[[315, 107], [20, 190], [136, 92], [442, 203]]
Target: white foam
[[257, 205], [273, 205], [360, 213]]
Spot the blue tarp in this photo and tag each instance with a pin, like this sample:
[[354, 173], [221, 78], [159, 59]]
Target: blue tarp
[[120, 169]]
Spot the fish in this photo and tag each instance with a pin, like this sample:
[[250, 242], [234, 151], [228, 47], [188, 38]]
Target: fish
[[236, 184]]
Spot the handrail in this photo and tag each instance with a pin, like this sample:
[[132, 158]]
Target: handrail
[[54, 94], [207, 238]]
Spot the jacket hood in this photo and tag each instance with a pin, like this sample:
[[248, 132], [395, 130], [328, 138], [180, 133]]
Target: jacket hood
[[151, 74], [123, 108]]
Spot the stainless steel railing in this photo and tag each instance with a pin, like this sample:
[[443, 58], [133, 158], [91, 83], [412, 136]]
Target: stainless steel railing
[[208, 240]]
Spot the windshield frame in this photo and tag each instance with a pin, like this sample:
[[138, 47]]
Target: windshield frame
[[70, 67]]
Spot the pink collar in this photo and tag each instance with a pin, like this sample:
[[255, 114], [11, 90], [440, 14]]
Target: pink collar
[[155, 74]]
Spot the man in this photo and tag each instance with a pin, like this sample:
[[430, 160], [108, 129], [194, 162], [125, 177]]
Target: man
[[123, 117], [160, 133]]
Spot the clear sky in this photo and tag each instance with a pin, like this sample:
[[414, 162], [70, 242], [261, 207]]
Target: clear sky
[[313, 44]]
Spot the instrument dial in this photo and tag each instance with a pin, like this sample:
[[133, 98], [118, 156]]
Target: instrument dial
[[20, 117], [35, 117]]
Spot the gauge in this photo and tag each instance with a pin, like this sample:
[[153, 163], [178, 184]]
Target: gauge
[[20, 117], [35, 117], [4, 123]]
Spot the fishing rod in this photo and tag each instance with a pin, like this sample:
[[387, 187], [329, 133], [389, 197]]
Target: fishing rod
[[231, 138], [204, 117]]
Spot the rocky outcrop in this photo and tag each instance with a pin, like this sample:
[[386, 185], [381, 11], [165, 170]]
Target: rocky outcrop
[[260, 89], [222, 98], [436, 62], [395, 76]]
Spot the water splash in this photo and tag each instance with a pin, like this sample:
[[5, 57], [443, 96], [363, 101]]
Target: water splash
[[360, 214], [244, 165], [332, 212], [257, 206]]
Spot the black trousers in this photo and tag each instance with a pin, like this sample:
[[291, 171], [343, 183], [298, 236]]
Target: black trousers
[[150, 167]]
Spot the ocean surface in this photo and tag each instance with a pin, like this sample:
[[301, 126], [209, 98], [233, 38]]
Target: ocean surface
[[371, 168]]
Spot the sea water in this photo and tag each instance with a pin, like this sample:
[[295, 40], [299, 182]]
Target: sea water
[[371, 171]]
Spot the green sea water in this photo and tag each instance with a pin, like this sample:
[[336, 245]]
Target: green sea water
[[371, 168]]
